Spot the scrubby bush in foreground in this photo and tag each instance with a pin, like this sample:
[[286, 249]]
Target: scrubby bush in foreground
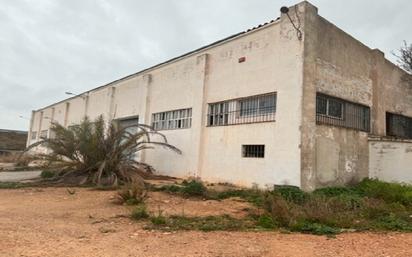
[[132, 193], [93, 153], [369, 205]]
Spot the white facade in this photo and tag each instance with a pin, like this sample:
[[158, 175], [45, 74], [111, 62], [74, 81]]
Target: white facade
[[268, 60], [273, 64]]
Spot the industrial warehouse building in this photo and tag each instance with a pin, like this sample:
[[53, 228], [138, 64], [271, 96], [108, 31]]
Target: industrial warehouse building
[[295, 101]]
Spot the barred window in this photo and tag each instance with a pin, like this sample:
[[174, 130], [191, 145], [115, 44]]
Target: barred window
[[330, 107], [33, 135], [252, 109], [253, 151], [177, 119], [259, 105], [398, 125], [43, 134], [338, 112]]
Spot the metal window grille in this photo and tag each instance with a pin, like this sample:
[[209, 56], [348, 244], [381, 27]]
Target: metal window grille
[[33, 135], [253, 151], [398, 125], [177, 119], [338, 112], [260, 108]]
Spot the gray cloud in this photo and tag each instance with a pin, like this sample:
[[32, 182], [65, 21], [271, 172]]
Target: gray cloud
[[48, 47]]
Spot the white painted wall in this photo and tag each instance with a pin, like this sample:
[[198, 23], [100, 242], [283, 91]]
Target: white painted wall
[[391, 161], [273, 64], [274, 61], [173, 87]]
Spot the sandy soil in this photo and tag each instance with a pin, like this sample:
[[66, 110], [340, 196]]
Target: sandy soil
[[51, 222]]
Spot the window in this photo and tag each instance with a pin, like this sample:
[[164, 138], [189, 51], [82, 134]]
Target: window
[[330, 107], [43, 134], [338, 112], [252, 109], [218, 114], [128, 123], [253, 151], [178, 119], [33, 135], [259, 105], [398, 125]]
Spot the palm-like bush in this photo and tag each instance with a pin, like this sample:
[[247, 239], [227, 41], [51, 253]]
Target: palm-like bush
[[98, 155]]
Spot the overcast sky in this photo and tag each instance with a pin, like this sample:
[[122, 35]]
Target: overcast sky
[[48, 47]]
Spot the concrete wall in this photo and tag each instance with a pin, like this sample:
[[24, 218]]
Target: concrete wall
[[391, 160], [273, 63], [338, 65]]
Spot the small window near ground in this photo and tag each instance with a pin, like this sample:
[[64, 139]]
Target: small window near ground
[[33, 135], [253, 151]]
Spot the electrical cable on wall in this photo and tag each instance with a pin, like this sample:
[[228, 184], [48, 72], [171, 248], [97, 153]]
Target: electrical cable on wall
[[285, 10]]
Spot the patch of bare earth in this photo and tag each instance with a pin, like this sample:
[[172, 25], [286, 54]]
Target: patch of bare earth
[[52, 222]]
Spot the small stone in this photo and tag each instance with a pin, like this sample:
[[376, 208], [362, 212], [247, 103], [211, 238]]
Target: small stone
[[106, 230]]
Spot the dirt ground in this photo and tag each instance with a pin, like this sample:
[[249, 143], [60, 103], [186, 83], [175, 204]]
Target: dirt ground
[[51, 222]]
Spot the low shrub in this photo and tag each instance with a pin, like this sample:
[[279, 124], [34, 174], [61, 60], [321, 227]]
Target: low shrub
[[369, 205], [314, 228], [45, 174], [389, 192], [335, 191], [209, 223], [292, 194], [132, 193], [193, 188], [13, 185], [283, 212], [393, 222], [169, 188], [158, 219], [254, 196], [140, 212], [266, 221]]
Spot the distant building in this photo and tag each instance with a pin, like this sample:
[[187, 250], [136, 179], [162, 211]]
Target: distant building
[[293, 101], [12, 141]]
